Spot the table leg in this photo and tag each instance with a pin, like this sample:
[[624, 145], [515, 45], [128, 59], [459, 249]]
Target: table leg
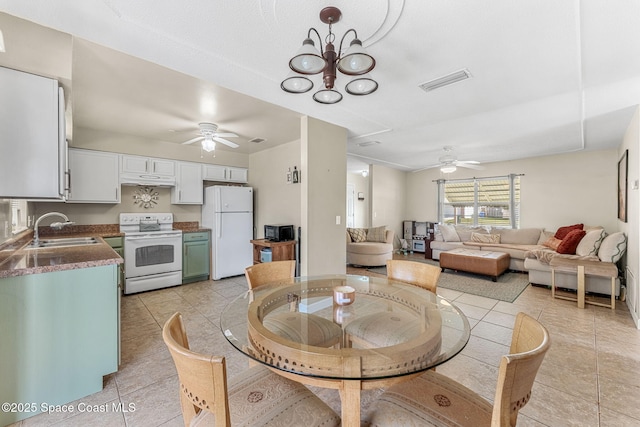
[[581, 286], [613, 293], [553, 282], [350, 402]]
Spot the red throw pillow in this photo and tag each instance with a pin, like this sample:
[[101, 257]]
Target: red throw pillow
[[570, 242], [562, 232]]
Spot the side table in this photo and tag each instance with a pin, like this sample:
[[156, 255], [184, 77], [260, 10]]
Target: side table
[[582, 268]]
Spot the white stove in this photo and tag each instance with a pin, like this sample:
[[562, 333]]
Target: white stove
[[152, 251]]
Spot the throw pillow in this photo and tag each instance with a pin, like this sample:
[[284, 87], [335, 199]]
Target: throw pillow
[[562, 232], [590, 244], [613, 247], [449, 233], [357, 234], [464, 232], [570, 242], [485, 238], [552, 243], [377, 234]]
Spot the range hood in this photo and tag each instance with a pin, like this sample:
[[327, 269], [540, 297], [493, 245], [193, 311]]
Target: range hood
[[148, 180]]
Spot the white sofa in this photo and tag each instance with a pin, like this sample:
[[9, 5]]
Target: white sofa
[[529, 254]]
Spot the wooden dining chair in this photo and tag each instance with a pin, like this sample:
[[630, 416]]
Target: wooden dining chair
[[318, 331], [416, 273], [433, 399], [270, 272], [256, 397], [391, 328]]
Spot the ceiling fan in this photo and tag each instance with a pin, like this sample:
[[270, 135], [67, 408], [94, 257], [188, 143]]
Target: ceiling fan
[[449, 162], [209, 135]]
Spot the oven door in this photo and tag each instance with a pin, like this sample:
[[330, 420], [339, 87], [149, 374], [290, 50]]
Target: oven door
[[149, 254]]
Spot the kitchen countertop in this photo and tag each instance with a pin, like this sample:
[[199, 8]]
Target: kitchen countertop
[[17, 261]]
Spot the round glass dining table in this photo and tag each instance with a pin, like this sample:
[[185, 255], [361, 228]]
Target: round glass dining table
[[390, 332]]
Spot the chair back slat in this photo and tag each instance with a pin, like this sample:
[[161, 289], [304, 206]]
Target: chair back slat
[[414, 273], [270, 272], [203, 379], [529, 344]]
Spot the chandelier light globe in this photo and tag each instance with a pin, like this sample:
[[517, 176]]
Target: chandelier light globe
[[295, 83], [308, 60], [361, 86], [327, 96], [356, 61]]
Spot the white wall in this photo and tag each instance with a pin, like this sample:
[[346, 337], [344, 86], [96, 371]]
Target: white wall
[[555, 190], [324, 197], [631, 142], [361, 207], [389, 197], [275, 201]]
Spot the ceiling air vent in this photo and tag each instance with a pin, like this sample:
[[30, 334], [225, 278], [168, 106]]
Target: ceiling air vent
[[257, 140], [449, 79], [368, 143]]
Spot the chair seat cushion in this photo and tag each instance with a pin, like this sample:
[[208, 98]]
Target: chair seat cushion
[[259, 397], [383, 329], [320, 332], [431, 399]]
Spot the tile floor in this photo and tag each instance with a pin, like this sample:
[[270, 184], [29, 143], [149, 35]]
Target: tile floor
[[590, 376]]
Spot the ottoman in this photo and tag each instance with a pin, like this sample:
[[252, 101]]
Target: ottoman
[[488, 263]]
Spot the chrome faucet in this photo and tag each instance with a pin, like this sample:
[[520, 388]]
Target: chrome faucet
[[54, 225]]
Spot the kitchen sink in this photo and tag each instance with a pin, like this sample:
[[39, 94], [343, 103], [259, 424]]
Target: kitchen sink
[[62, 242]]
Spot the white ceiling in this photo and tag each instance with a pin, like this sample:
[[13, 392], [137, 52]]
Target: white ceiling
[[548, 76]]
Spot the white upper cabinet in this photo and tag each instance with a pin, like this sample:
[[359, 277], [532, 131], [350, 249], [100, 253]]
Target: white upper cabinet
[[189, 185], [93, 176], [32, 137], [148, 165], [237, 174], [224, 173]]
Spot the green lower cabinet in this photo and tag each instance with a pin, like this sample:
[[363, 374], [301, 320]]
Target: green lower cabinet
[[58, 338], [196, 256]]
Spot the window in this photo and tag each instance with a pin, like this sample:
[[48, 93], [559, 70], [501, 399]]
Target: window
[[480, 201]]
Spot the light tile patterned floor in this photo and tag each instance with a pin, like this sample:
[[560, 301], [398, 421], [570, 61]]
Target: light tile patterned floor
[[590, 377]]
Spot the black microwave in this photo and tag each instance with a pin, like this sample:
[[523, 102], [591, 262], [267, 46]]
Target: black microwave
[[278, 233]]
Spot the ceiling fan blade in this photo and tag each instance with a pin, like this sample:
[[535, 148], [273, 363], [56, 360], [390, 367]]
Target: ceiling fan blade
[[473, 162], [225, 142], [469, 165], [226, 135], [191, 141]]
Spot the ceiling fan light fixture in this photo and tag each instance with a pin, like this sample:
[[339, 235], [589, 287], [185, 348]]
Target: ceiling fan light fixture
[[208, 144], [448, 168], [446, 80], [361, 86]]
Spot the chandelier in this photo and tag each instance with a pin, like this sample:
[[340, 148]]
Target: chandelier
[[309, 61]]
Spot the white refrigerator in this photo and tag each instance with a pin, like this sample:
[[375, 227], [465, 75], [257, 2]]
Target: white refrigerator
[[228, 212]]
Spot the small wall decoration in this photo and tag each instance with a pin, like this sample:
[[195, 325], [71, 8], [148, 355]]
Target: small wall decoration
[[146, 197], [622, 186]]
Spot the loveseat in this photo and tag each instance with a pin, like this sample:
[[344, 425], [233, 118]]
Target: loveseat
[[531, 250], [369, 247]]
